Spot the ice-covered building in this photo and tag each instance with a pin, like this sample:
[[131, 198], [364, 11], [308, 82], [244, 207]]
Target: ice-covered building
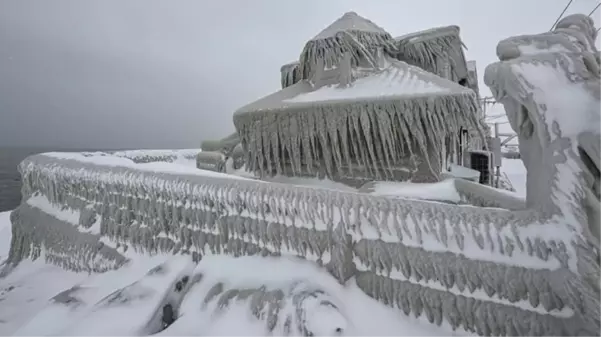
[[360, 105]]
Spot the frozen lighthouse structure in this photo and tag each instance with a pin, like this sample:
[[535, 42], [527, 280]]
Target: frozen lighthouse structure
[[360, 106]]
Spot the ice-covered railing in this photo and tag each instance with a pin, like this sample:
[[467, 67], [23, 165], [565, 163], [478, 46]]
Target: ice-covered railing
[[491, 271]]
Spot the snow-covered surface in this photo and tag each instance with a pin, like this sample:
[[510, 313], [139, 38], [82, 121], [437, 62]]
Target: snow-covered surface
[[185, 157], [555, 89], [107, 160], [395, 80], [26, 309], [350, 21], [560, 95], [157, 153], [444, 190], [459, 171], [314, 182], [560, 92], [533, 50]]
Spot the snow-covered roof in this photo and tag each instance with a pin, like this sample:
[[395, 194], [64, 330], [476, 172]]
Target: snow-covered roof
[[350, 21], [350, 35], [399, 81]]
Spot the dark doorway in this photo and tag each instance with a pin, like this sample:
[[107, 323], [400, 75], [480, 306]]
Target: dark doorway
[[481, 162]]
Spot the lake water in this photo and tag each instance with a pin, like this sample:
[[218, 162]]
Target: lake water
[[10, 179]]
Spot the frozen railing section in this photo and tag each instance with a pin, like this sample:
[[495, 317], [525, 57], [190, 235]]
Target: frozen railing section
[[485, 270]]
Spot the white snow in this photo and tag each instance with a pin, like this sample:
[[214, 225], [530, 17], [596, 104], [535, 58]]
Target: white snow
[[398, 79], [551, 89], [444, 190], [157, 153], [560, 95], [350, 21], [115, 161], [184, 157], [310, 182], [463, 172], [533, 49], [25, 308]]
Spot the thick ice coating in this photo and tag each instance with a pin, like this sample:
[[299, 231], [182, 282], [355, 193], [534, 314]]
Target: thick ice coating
[[358, 113], [530, 270]]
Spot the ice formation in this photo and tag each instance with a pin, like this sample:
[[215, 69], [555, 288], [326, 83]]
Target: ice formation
[[357, 112], [437, 50], [525, 269]]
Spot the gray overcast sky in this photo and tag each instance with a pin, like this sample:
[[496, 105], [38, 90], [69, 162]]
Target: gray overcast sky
[[167, 74]]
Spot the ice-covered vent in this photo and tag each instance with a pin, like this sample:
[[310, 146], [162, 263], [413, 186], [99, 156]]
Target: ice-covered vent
[[375, 122], [290, 74], [351, 34], [437, 50]]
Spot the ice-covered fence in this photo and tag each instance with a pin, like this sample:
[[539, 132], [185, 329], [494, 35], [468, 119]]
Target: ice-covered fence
[[487, 270]]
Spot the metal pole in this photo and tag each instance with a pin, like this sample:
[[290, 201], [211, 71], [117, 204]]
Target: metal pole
[[498, 171]]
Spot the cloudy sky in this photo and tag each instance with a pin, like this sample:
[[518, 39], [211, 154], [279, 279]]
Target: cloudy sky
[[169, 73]]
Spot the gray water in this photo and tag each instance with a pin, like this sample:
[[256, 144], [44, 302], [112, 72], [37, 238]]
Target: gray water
[[10, 179]]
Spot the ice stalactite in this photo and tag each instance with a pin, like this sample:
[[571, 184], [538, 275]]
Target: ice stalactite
[[290, 74], [434, 50], [39, 234], [484, 317], [378, 135]]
